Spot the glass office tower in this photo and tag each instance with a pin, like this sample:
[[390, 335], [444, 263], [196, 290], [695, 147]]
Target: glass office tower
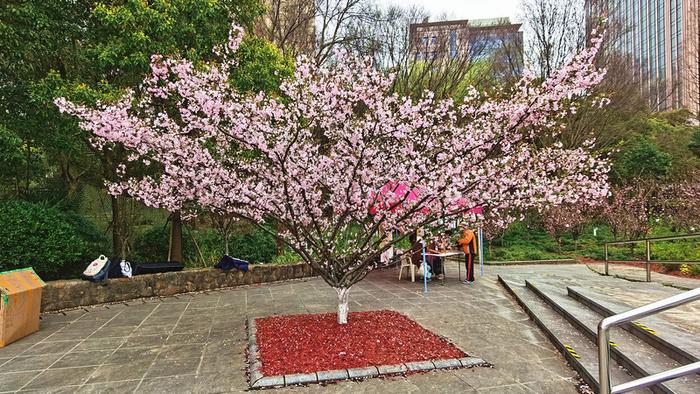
[[660, 40]]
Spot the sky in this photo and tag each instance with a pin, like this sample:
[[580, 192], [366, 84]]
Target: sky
[[466, 9]]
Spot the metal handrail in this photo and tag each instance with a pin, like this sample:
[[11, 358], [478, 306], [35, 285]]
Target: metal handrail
[[648, 242], [633, 314], [664, 238]]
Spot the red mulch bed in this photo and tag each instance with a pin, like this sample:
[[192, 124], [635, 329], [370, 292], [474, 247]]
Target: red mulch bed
[[309, 343]]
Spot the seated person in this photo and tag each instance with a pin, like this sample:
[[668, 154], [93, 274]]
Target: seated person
[[437, 245], [416, 252]]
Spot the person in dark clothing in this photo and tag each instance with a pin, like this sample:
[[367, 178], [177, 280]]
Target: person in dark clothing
[[417, 255], [437, 245], [468, 243]]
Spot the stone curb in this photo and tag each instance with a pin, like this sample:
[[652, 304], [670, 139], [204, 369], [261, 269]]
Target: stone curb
[[265, 382], [362, 373], [257, 380]]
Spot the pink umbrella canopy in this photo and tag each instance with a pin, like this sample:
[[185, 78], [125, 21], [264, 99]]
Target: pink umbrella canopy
[[462, 203], [391, 195]]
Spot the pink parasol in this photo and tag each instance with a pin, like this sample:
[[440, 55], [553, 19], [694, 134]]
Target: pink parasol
[[391, 195]]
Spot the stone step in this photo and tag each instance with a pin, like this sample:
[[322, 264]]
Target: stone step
[[578, 350], [637, 356], [675, 342]]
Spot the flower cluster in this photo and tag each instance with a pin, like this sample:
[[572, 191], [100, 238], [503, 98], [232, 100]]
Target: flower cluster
[[627, 212], [681, 203]]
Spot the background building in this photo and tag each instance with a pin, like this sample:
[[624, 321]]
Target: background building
[[496, 39], [660, 40]]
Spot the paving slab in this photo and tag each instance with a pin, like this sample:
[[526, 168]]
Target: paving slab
[[479, 319]]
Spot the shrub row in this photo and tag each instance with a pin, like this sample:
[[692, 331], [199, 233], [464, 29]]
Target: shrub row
[[60, 244]]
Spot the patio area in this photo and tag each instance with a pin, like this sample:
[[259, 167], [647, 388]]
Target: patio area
[[196, 343]]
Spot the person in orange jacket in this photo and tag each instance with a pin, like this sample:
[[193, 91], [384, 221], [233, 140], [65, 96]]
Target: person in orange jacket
[[468, 243]]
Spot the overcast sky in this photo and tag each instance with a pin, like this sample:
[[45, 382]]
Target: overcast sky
[[466, 9]]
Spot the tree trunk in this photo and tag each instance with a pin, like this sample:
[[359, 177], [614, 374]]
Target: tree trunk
[[342, 305], [69, 179], [117, 227], [176, 238], [279, 240], [226, 237], [27, 169]]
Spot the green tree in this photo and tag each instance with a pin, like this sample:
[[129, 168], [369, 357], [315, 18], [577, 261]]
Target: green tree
[[92, 51], [642, 158], [261, 66], [694, 145]]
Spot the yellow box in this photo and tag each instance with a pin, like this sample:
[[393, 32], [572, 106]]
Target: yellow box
[[20, 304]]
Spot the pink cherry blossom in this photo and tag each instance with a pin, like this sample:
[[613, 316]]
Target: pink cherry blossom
[[316, 159]]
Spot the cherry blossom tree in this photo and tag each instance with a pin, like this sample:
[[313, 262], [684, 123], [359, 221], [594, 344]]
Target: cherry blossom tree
[[627, 212], [681, 203], [493, 222], [567, 218], [317, 159]]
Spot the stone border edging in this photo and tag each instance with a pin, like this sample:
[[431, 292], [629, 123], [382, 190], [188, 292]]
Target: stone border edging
[[260, 381]]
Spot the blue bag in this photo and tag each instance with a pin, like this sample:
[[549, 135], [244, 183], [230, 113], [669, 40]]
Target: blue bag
[[227, 262]]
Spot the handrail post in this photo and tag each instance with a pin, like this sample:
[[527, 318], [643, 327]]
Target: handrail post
[[604, 369], [605, 384], [606, 259], [648, 261]]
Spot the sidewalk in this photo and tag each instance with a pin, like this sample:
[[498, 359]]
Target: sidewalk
[[195, 343], [638, 274]]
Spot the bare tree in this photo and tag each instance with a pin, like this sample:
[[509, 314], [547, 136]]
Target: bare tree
[[333, 20], [312, 27], [383, 33], [445, 64], [290, 25], [445, 57], [555, 30], [450, 56]]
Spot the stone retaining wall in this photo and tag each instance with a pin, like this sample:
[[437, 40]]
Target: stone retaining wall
[[62, 294]]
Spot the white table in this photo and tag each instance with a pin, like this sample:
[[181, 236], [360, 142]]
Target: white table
[[445, 254]]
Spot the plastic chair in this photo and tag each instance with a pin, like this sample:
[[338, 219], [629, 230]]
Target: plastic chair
[[406, 263]]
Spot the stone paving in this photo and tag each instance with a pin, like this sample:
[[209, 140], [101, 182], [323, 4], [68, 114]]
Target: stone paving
[[195, 343], [662, 286], [638, 274]]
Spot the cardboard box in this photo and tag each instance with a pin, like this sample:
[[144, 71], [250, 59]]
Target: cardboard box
[[20, 304]]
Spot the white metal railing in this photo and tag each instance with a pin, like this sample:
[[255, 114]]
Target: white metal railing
[[633, 314]]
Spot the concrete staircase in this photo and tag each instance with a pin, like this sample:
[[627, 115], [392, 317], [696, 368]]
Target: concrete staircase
[[569, 317]]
